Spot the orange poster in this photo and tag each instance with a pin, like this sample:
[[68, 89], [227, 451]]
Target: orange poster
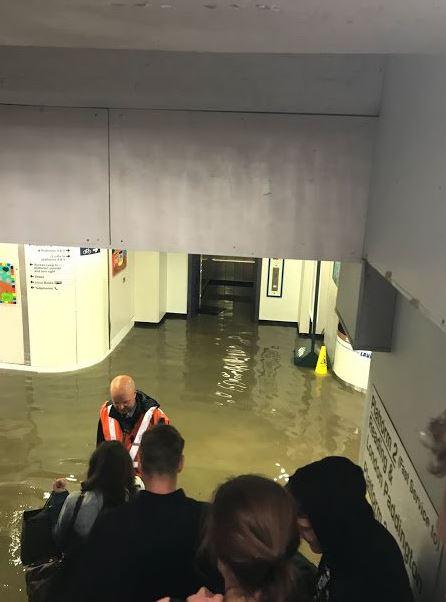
[[119, 260]]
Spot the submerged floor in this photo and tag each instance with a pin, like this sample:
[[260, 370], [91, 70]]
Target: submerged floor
[[229, 386]]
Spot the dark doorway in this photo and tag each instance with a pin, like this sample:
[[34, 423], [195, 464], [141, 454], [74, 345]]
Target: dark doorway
[[229, 285]]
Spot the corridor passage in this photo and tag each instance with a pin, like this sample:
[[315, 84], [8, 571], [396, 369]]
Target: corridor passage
[[229, 385]]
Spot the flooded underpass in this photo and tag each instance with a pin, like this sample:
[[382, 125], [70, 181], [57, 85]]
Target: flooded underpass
[[229, 385]]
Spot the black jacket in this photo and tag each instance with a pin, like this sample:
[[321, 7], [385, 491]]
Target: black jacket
[[143, 403], [361, 561], [145, 550]]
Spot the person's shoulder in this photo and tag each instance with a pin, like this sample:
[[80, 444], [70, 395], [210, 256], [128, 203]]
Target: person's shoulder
[[110, 520], [305, 573], [384, 540], [122, 511], [385, 553], [105, 404], [89, 498], [145, 400], [70, 503], [385, 565], [92, 498], [196, 508], [72, 498], [196, 503]]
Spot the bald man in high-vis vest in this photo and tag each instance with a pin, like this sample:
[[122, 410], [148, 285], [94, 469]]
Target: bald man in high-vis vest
[[127, 415]]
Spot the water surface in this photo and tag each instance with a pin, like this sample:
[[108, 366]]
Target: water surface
[[229, 385]]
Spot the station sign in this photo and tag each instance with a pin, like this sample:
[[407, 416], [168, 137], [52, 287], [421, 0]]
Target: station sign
[[400, 501]]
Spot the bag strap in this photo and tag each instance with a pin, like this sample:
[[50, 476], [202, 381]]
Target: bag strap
[[67, 533], [77, 507]]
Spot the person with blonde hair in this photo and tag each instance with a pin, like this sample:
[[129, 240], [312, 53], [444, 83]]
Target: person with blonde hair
[[253, 536]]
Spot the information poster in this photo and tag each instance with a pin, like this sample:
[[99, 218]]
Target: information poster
[[119, 260], [52, 304], [49, 268], [7, 283], [400, 501]]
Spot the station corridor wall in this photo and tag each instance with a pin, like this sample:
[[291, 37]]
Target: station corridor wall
[[74, 319], [405, 242]]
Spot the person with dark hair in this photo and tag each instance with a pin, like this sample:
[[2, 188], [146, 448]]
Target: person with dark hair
[[109, 483], [146, 549], [361, 561], [252, 532]]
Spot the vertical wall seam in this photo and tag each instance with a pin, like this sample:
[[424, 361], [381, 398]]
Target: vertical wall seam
[[109, 227], [109, 179], [24, 305]]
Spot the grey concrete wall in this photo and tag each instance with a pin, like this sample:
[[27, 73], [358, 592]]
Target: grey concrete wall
[[54, 176], [411, 380], [312, 83], [240, 184], [405, 241], [407, 210], [207, 182], [58, 177]]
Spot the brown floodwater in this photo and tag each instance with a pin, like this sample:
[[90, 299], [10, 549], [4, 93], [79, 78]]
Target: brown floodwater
[[229, 385]]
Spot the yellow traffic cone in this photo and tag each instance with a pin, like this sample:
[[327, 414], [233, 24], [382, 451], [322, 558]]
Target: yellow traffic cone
[[321, 366]]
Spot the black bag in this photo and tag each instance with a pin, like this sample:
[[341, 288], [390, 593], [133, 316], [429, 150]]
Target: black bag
[[44, 574], [37, 543], [44, 580]]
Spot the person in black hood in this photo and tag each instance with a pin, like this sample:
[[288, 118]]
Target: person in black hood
[[361, 561]]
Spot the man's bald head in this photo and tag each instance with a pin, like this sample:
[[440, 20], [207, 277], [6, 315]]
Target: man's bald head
[[123, 393]]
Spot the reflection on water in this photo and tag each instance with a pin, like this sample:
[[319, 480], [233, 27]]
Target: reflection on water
[[230, 386]]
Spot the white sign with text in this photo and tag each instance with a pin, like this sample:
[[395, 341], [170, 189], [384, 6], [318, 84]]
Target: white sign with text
[[400, 501], [49, 268]]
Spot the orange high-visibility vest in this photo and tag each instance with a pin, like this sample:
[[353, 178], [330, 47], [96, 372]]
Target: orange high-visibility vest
[[131, 441]]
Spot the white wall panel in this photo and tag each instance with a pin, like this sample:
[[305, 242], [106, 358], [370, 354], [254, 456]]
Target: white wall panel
[[331, 326], [240, 184], [150, 286], [54, 176], [162, 287], [407, 215], [306, 301], [286, 307], [51, 289], [92, 306], [323, 310], [122, 300], [177, 275]]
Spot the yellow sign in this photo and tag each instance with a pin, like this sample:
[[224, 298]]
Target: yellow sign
[[321, 366]]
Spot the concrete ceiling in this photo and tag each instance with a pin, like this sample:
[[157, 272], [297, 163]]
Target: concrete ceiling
[[342, 84], [269, 26]]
